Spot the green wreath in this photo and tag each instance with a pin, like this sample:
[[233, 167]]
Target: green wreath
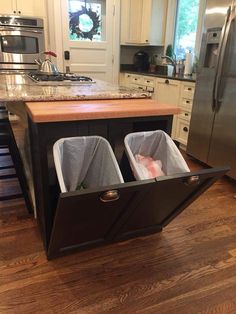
[[75, 21]]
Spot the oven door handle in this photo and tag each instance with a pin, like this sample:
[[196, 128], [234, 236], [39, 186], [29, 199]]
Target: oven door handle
[[10, 29]]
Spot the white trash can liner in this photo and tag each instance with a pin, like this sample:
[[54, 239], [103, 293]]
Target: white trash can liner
[[85, 162], [157, 145]]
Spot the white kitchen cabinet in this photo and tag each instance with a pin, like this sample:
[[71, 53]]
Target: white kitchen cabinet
[[143, 22], [8, 7], [33, 8], [183, 119], [168, 92], [141, 82]]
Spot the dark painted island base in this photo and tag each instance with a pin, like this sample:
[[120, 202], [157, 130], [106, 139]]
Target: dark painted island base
[[79, 220]]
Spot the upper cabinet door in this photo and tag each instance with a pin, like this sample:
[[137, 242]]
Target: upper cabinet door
[[8, 7], [31, 7], [135, 17], [143, 22]]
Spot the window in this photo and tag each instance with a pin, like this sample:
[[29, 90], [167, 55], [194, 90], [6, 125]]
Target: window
[[186, 27], [86, 19]]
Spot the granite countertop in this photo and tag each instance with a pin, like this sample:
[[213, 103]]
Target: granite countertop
[[18, 87], [154, 74]]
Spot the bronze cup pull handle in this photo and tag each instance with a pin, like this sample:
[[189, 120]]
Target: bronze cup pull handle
[[193, 180], [110, 196]]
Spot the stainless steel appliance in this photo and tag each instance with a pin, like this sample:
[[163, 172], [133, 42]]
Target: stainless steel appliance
[[212, 137], [60, 79], [21, 41]]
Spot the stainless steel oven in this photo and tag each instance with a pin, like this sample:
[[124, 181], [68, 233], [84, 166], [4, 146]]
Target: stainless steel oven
[[21, 41]]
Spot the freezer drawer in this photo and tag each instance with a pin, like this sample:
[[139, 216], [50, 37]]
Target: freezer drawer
[[92, 217]]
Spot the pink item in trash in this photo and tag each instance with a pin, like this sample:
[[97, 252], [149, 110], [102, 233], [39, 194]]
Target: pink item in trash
[[150, 168]]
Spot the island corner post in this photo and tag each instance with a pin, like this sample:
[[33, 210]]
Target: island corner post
[[46, 126]]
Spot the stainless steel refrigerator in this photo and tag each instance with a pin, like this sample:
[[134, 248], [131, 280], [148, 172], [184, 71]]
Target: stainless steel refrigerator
[[212, 134]]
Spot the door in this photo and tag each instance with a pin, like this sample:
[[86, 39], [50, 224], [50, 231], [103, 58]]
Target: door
[[223, 142], [88, 37], [203, 114]]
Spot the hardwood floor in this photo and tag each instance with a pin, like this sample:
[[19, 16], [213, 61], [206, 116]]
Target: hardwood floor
[[188, 268]]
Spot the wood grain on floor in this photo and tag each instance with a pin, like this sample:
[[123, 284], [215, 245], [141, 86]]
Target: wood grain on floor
[[188, 268]]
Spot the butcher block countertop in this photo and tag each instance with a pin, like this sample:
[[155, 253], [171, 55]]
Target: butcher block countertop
[[97, 109]]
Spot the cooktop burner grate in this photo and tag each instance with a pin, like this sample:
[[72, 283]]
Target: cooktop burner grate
[[61, 77]]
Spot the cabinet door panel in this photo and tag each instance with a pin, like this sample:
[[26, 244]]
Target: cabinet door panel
[[146, 21], [31, 7], [168, 91], [8, 7], [135, 16]]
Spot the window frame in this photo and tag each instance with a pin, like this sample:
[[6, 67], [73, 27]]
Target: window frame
[[172, 21]]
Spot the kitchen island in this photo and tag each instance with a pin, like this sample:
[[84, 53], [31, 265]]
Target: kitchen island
[[111, 112]]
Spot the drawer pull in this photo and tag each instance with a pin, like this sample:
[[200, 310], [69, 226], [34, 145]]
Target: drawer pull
[[187, 102], [110, 196], [186, 114], [135, 79], [167, 82], [193, 180], [189, 88], [148, 81], [185, 129]]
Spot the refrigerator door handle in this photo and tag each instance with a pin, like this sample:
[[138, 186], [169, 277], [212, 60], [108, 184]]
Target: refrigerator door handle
[[217, 99]]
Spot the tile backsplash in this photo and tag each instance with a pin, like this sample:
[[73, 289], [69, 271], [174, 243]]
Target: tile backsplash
[[127, 52]]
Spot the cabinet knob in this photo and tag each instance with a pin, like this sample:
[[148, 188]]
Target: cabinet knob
[[147, 40], [14, 11], [185, 129], [186, 114], [189, 88], [187, 102], [19, 12], [167, 81]]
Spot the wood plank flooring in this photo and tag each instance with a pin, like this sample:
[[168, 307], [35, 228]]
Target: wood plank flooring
[[188, 268]]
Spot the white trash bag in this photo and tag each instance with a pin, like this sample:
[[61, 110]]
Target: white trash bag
[[153, 154], [85, 162]]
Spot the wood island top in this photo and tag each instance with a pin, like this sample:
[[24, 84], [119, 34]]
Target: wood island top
[[57, 111]]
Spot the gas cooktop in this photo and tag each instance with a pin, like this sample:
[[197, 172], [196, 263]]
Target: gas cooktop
[[60, 79]]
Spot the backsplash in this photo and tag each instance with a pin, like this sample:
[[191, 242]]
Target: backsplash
[[127, 52]]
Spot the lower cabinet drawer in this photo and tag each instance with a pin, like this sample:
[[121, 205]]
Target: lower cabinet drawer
[[182, 131], [187, 90], [185, 115], [186, 103]]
